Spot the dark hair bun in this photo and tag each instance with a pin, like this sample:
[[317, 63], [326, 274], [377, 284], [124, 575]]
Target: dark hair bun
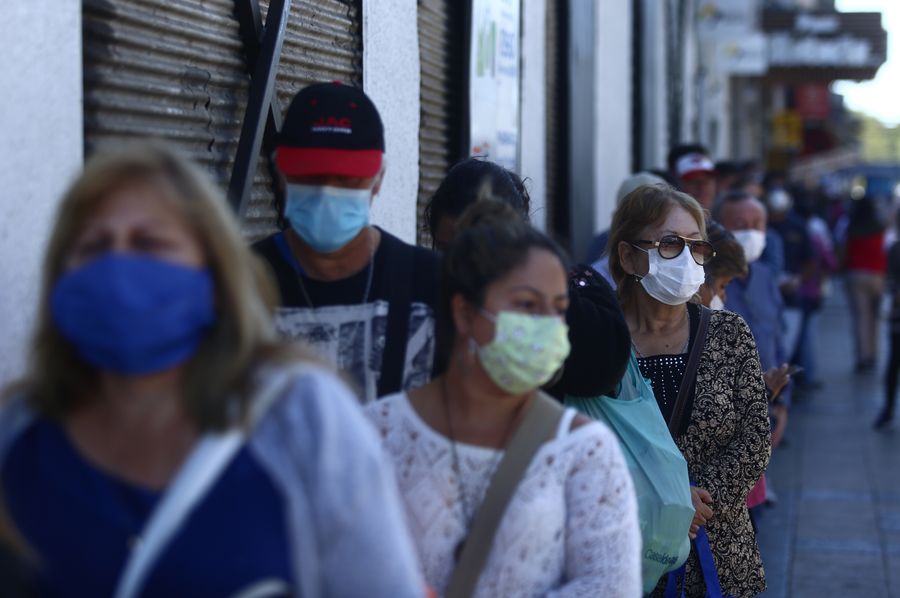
[[489, 212], [470, 181]]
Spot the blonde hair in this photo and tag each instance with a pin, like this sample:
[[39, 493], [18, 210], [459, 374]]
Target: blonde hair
[[648, 205], [242, 337]]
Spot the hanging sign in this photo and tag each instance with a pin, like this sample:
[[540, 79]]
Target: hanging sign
[[494, 78]]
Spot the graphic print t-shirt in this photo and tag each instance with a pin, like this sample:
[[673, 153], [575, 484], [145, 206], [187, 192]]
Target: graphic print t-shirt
[[351, 334]]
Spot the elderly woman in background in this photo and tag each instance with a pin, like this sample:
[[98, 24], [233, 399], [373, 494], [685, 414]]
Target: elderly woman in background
[[164, 440], [657, 253]]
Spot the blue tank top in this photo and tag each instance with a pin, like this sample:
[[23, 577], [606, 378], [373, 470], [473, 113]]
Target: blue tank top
[[83, 523]]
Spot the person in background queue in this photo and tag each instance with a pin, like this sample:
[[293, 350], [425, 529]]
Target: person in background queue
[[468, 181], [164, 440], [757, 300], [729, 263], [658, 237], [570, 527], [597, 254], [695, 172], [592, 368], [362, 298]]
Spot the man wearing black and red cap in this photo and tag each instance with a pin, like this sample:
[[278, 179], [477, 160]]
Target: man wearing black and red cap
[[361, 297]]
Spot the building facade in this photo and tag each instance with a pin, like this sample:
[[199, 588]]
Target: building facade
[[573, 95]]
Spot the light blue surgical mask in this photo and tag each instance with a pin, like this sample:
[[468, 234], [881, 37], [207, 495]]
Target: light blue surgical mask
[[327, 218]]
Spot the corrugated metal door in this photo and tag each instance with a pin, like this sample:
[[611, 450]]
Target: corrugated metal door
[[176, 70], [440, 137]]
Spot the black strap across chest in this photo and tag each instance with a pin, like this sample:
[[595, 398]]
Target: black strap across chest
[[690, 374]]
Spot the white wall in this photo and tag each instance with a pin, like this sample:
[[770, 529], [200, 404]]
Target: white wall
[[391, 79], [533, 130], [41, 124], [612, 150]]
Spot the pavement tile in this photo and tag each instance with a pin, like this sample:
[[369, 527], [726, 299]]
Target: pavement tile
[[838, 575], [894, 573], [830, 545], [836, 530]]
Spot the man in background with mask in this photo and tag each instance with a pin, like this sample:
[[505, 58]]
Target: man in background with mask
[[695, 172], [362, 298], [756, 298]]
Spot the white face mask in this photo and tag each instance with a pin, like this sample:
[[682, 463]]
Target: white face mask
[[673, 281], [779, 200], [752, 241], [716, 303]]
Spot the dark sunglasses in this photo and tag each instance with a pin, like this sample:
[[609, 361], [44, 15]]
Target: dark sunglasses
[[671, 246]]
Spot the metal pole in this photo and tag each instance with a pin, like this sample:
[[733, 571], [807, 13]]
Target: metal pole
[[262, 86]]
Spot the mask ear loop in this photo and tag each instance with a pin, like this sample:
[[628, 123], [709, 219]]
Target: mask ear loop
[[638, 277]]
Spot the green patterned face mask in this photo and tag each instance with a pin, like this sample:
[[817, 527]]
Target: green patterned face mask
[[526, 351]]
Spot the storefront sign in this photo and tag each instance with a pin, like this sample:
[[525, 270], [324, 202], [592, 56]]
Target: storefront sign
[[812, 101], [788, 50], [827, 45], [787, 130], [494, 81], [716, 17], [746, 55]]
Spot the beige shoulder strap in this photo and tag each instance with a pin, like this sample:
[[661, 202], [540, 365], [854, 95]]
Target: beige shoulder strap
[[540, 423]]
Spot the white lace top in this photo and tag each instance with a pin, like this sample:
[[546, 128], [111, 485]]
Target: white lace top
[[571, 528]]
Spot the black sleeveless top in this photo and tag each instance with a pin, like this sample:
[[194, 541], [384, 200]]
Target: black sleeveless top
[[665, 372]]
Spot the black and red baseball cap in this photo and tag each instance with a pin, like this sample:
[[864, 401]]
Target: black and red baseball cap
[[331, 129]]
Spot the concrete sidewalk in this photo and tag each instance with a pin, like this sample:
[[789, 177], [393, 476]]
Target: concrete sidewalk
[[835, 530]]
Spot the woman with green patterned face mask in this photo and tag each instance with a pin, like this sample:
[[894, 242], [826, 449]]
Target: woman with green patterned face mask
[[570, 523]]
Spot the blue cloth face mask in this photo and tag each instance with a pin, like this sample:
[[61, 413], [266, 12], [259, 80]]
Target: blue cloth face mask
[[134, 314], [327, 218]]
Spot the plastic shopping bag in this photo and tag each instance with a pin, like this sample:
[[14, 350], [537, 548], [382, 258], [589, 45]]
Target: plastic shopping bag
[[657, 468]]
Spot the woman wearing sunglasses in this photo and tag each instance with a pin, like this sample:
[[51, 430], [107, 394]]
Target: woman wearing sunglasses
[[719, 418]]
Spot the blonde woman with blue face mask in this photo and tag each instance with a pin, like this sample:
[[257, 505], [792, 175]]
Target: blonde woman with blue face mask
[[570, 525], [717, 413]]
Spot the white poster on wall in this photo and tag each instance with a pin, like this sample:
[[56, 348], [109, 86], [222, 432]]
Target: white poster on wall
[[494, 81]]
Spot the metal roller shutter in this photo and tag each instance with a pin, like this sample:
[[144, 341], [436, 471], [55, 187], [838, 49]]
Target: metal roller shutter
[[440, 136], [176, 70]]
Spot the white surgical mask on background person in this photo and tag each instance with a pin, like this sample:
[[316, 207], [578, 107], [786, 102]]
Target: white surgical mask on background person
[[716, 303], [779, 200], [672, 281], [752, 241]]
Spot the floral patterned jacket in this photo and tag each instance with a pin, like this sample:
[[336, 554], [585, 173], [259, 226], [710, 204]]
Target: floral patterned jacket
[[727, 446]]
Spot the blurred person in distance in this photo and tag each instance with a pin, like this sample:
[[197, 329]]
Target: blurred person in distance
[[693, 169], [154, 359], [727, 265], [756, 298], [865, 264], [814, 287], [596, 253]]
